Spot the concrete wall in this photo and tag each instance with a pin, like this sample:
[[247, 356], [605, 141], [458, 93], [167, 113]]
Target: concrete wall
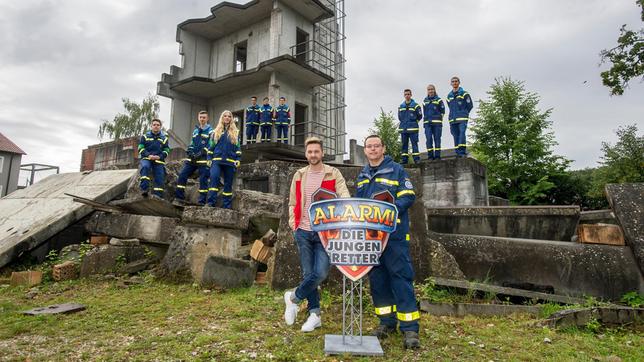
[[356, 153], [290, 21], [9, 172], [196, 53], [258, 44], [529, 222], [454, 182]]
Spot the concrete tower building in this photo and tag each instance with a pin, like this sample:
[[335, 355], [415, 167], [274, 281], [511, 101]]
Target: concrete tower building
[[274, 48]]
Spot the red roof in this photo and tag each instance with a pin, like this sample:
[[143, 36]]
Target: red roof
[[7, 146]]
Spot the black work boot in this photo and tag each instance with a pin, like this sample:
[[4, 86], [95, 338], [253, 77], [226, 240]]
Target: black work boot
[[382, 331], [411, 340]]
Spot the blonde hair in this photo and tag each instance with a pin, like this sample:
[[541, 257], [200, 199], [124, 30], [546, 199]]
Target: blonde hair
[[233, 131]]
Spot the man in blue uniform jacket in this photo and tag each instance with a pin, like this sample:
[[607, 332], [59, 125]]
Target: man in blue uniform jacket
[[252, 121], [197, 161], [153, 149], [391, 282], [433, 112], [460, 105], [409, 114], [282, 120], [266, 119]]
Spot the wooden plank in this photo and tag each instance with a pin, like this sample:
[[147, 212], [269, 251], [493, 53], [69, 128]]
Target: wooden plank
[[95, 204], [464, 284], [463, 309], [600, 234], [147, 206]]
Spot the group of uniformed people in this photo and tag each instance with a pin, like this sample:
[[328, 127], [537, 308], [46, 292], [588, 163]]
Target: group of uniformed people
[[212, 152], [263, 117], [431, 113]]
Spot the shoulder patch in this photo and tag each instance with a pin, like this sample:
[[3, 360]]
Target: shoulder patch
[[408, 184]]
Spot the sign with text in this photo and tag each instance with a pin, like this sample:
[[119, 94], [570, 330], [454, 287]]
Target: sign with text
[[353, 231]]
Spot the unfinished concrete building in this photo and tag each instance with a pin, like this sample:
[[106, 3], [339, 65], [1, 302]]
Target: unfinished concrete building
[[274, 48]]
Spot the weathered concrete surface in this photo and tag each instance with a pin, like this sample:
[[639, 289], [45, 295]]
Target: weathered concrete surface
[[125, 226], [30, 216], [147, 206], [172, 171], [454, 182], [224, 272], [463, 309], [258, 203], [497, 201], [607, 316], [573, 269], [527, 222], [627, 201], [597, 217], [109, 258], [190, 248], [267, 176], [214, 216], [428, 256]]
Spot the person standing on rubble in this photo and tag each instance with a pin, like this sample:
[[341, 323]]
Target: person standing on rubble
[[266, 120], [314, 260], [433, 112], [197, 161], [223, 155], [153, 149], [282, 120], [460, 105], [391, 282], [409, 113], [252, 121]]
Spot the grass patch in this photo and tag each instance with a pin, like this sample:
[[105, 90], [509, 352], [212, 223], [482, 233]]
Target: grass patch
[[162, 321]]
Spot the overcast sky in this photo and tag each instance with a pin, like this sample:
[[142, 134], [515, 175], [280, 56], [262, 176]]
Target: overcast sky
[[64, 65]]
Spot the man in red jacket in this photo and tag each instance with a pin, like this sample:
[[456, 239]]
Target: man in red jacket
[[314, 260]]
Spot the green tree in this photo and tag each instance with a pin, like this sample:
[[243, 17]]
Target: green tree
[[512, 138], [133, 122], [626, 59], [386, 127], [622, 162]]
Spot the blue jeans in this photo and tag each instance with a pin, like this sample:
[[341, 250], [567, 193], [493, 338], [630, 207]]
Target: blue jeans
[[314, 262]]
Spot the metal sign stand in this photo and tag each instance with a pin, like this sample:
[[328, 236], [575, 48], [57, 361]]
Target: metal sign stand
[[352, 341]]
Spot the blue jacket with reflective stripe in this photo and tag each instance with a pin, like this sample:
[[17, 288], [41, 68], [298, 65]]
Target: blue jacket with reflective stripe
[[409, 115], [252, 115], [266, 114], [460, 105], [224, 150], [433, 110], [283, 115], [154, 144], [198, 148], [392, 177]]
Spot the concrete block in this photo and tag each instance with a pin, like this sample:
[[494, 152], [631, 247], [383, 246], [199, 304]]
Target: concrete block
[[597, 217], [224, 272], [627, 202], [215, 216], [600, 234], [573, 269], [454, 182], [256, 203], [527, 222], [109, 258], [190, 248], [147, 206], [126, 226]]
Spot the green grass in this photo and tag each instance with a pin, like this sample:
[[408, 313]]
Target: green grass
[[161, 321]]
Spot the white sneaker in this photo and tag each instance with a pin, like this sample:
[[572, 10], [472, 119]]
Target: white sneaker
[[313, 322], [290, 312]]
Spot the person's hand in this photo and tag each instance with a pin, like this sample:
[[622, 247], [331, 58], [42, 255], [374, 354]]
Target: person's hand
[[209, 163], [154, 157], [236, 163]]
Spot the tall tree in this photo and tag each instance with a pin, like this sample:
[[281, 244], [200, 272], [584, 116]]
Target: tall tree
[[512, 138], [622, 162], [386, 127], [133, 122], [626, 59]]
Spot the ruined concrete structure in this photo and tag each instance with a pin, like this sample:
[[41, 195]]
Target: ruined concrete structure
[[273, 48]]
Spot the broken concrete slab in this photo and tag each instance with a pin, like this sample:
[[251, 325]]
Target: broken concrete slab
[[126, 226], [64, 308], [124, 242], [30, 216], [572, 269], [109, 258], [223, 272], [257, 203], [526, 222], [454, 182], [627, 202], [190, 248], [597, 217], [135, 266], [505, 291], [215, 216], [147, 206], [483, 310], [608, 316]]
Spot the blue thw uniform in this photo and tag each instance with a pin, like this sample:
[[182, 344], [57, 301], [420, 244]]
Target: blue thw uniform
[[391, 282], [224, 156], [409, 114], [460, 105], [282, 121], [433, 112], [266, 120], [252, 123], [197, 161], [153, 144]]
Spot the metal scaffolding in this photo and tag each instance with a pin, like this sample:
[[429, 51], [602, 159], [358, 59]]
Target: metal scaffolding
[[325, 52]]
